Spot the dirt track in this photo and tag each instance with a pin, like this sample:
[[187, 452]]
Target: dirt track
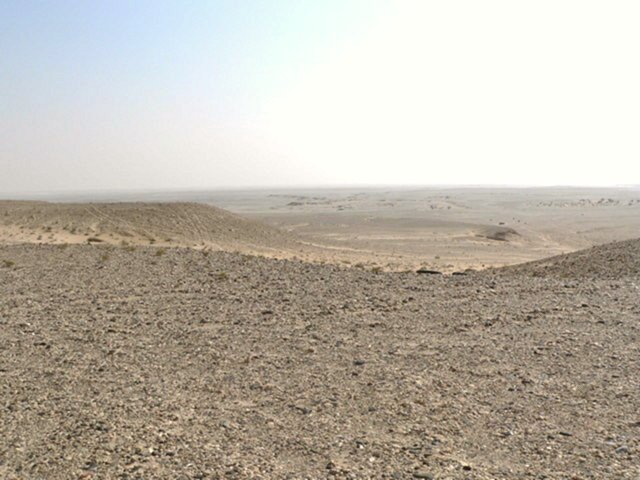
[[120, 363]]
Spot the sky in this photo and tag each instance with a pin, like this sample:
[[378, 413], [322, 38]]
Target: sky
[[155, 94]]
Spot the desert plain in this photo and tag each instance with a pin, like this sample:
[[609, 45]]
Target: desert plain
[[444, 228], [442, 333]]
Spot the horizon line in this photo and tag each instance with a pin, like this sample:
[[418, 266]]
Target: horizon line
[[327, 186]]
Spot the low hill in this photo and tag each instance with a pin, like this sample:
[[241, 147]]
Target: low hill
[[170, 224], [493, 232], [611, 261]]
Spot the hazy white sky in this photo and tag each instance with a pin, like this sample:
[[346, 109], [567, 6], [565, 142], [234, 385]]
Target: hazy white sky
[[156, 94]]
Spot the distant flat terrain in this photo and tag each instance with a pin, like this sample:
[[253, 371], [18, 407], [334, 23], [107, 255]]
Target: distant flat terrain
[[445, 228], [449, 228], [155, 363]]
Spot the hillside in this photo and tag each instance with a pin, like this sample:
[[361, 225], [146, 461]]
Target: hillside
[[169, 224], [126, 363], [609, 261]]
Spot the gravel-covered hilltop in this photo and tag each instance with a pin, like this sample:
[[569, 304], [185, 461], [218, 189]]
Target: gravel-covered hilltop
[[144, 363], [610, 261]]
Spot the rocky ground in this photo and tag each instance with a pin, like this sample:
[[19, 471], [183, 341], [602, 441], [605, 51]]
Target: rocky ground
[[144, 363], [610, 261]]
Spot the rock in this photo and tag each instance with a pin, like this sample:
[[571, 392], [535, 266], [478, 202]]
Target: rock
[[426, 271], [423, 474], [335, 468], [302, 409]]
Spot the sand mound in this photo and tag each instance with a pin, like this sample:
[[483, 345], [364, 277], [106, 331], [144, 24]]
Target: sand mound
[[171, 224], [501, 234], [611, 260]]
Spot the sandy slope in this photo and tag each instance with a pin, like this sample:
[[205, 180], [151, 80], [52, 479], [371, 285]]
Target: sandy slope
[[120, 363], [203, 226], [169, 224]]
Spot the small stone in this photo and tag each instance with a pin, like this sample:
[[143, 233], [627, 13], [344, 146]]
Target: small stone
[[302, 409], [623, 449], [427, 271], [423, 474]]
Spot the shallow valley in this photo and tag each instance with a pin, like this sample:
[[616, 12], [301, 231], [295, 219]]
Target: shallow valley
[[443, 228]]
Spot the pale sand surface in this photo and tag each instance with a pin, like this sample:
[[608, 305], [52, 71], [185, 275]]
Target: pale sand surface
[[441, 228]]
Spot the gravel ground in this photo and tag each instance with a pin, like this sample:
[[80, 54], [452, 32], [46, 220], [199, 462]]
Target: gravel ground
[[609, 261], [144, 363]]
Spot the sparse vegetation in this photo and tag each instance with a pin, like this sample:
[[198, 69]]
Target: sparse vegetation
[[94, 240], [160, 252], [8, 263], [222, 276]]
